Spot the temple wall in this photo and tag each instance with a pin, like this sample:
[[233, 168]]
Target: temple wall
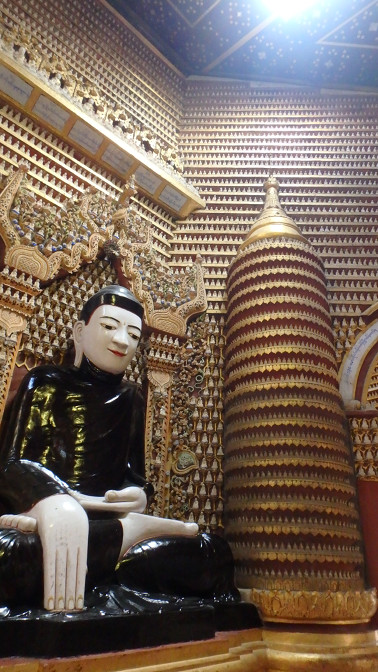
[[322, 147], [116, 71], [99, 49]]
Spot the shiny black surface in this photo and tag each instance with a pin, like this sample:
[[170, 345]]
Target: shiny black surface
[[84, 428], [77, 635], [113, 295], [83, 425]]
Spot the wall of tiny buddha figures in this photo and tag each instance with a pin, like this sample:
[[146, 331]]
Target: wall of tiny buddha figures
[[217, 140]]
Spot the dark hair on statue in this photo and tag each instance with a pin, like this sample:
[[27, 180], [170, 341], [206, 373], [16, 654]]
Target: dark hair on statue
[[113, 295]]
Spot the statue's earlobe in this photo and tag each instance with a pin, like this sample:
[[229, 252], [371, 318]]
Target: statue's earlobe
[[77, 333]]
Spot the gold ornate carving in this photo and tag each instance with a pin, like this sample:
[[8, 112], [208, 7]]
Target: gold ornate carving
[[283, 406], [170, 298], [296, 606], [21, 45], [62, 239], [161, 359], [55, 239], [185, 462], [364, 428], [273, 220], [305, 316], [9, 345], [189, 457], [157, 436], [11, 322], [167, 320], [195, 491], [7, 196], [16, 305], [31, 261], [285, 298], [159, 379]]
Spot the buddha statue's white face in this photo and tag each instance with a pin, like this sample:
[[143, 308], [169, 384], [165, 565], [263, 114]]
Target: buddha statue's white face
[[110, 338]]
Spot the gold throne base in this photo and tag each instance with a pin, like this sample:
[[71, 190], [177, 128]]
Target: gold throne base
[[257, 650], [326, 607]]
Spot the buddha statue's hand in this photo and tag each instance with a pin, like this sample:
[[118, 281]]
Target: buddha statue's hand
[[18, 521], [131, 498], [119, 502], [63, 530]]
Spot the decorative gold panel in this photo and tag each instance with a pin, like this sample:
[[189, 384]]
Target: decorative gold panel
[[123, 153]]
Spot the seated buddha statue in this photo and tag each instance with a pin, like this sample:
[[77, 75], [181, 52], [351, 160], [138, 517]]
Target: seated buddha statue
[[72, 485]]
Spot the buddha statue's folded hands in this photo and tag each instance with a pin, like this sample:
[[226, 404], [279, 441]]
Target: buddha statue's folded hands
[[126, 500]]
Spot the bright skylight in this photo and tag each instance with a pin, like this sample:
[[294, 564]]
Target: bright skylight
[[286, 9]]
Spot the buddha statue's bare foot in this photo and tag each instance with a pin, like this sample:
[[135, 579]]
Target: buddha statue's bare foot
[[18, 521]]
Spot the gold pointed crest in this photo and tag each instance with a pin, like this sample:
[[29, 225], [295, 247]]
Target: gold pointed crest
[[273, 220]]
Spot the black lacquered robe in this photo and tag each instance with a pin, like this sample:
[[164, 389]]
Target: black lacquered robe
[[79, 427], [83, 429]]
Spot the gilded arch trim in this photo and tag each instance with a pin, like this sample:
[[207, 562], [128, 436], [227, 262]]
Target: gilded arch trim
[[357, 367]]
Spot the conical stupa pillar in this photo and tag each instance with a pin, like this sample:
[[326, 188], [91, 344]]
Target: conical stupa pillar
[[291, 513]]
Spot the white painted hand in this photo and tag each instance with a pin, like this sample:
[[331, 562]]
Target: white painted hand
[[63, 530], [120, 502], [131, 498]]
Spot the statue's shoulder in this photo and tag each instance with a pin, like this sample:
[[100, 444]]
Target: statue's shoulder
[[37, 387], [129, 385], [133, 391], [46, 374]]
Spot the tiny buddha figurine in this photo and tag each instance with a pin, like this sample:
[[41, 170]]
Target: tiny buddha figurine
[[72, 486]]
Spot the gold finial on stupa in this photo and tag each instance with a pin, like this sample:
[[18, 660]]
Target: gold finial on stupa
[[273, 220]]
